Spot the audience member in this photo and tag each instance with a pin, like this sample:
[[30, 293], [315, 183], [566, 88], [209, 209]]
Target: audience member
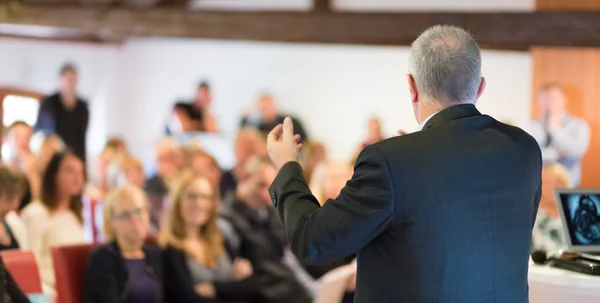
[[12, 231], [328, 180], [109, 162], [562, 137], [124, 269], [195, 115], [57, 218], [197, 265], [262, 239], [65, 114], [249, 142], [312, 154], [132, 172], [169, 160], [374, 132], [20, 158], [264, 116], [51, 145], [204, 164], [548, 233]]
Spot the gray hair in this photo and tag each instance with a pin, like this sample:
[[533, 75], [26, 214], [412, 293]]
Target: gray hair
[[445, 64]]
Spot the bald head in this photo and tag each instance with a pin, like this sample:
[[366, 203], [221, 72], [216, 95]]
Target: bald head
[[445, 64]]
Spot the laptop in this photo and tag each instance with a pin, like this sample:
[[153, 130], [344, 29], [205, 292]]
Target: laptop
[[580, 215]]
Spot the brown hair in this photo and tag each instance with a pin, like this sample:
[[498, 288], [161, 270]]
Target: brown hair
[[173, 230], [115, 143], [131, 163], [11, 184], [49, 193]]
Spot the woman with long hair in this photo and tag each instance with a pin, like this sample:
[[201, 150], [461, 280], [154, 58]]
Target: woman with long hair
[[124, 269], [197, 265], [56, 219]]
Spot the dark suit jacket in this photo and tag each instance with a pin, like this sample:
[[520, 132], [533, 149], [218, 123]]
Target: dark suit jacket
[[106, 278], [441, 215], [180, 287]]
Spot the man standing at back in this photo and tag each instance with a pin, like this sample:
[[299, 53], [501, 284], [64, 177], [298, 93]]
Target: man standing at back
[[65, 114], [441, 215]]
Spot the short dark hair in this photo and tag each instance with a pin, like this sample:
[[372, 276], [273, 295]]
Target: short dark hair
[[11, 184], [68, 68], [204, 85]]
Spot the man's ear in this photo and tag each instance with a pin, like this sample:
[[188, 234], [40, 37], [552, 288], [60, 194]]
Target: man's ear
[[481, 88], [412, 87]]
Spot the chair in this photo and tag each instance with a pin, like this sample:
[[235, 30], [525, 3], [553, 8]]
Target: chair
[[69, 264], [23, 268]]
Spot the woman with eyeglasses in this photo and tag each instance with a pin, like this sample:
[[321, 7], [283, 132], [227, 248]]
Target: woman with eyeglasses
[[124, 270], [197, 265]]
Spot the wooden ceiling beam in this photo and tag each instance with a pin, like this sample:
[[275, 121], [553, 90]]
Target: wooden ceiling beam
[[510, 31]]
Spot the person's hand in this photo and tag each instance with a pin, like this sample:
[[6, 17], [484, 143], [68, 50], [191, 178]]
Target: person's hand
[[554, 122], [282, 145], [242, 269], [402, 132], [205, 290], [351, 285]]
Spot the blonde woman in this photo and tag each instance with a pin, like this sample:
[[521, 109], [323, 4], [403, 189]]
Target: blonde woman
[[548, 233], [197, 265], [124, 269], [328, 179]]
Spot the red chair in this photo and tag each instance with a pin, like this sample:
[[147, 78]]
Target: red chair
[[23, 268], [69, 264]]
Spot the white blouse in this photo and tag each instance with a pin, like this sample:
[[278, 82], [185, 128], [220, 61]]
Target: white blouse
[[45, 230]]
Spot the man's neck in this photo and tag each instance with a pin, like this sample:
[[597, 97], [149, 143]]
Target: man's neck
[[68, 99]]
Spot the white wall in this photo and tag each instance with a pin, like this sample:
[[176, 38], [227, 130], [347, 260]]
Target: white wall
[[435, 5], [35, 65], [332, 88]]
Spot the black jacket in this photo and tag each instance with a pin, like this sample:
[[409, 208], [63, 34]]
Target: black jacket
[[106, 278], [69, 124], [180, 288], [263, 243], [441, 215]]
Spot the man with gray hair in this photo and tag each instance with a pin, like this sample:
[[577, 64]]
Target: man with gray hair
[[441, 215]]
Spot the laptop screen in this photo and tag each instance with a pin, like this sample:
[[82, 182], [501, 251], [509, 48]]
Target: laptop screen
[[580, 214]]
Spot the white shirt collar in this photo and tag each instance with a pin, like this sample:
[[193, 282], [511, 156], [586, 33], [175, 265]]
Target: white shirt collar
[[425, 121]]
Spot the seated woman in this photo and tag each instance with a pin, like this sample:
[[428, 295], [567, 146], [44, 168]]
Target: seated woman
[[124, 270], [197, 265], [548, 233], [328, 179], [12, 231], [56, 219]]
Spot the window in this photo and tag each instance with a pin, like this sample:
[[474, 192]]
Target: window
[[20, 108]]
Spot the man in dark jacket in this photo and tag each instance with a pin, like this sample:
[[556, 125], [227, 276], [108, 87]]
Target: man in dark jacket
[[261, 238], [65, 114], [440, 215]]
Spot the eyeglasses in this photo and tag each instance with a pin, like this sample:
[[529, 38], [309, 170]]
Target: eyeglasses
[[127, 215], [198, 196]]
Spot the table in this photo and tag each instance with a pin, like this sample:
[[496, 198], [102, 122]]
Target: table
[[553, 285]]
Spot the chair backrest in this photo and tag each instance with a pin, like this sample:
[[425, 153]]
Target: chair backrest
[[69, 265], [23, 268]]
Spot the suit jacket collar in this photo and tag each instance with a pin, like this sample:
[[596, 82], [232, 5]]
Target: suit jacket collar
[[452, 113]]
